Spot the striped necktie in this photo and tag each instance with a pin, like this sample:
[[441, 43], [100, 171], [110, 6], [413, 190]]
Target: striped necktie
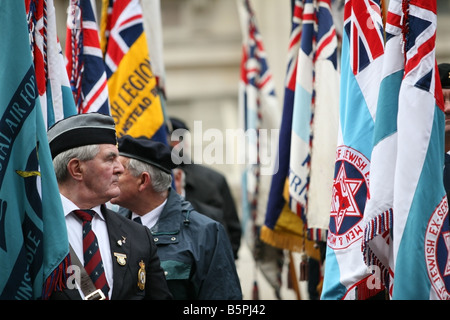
[[91, 252]]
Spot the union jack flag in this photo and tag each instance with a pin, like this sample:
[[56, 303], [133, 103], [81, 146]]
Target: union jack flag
[[378, 215], [135, 100], [420, 215], [257, 98], [365, 32], [258, 110], [48, 61], [85, 66], [276, 200], [315, 119], [346, 274], [123, 27]]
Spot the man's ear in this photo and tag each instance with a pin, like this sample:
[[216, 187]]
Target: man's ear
[[75, 169], [145, 181]]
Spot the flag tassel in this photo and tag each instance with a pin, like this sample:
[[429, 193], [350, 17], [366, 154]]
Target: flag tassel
[[304, 267], [57, 280], [255, 291]]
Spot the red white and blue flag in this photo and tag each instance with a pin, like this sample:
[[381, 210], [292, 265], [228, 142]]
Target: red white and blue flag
[[259, 113], [346, 274], [278, 199], [421, 265], [85, 66], [315, 119], [378, 214], [51, 78], [134, 97]]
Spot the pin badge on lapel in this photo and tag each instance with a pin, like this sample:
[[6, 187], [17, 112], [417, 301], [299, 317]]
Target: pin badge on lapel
[[121, 258], [121, 241], [141, 275]]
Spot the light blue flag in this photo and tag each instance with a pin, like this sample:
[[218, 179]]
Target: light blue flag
[[346, 274], [33, 237], [378, 217], [421, 241]]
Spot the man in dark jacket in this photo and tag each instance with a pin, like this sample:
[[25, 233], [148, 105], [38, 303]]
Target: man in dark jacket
[[113, 250], [194, 250], [209, 193]]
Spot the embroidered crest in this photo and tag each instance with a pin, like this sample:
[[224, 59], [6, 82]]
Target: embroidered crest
[[437, 250], [350, 192]]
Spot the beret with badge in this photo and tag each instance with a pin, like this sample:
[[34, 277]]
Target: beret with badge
[[81, 130], [146, 150], [444, 74]]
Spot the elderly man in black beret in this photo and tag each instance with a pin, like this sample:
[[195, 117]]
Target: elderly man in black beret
[[87, 166], [194, 250]]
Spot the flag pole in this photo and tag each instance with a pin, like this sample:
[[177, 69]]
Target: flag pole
[[293, 276]]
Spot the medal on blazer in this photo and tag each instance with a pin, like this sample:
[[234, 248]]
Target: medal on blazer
[[141, 275], [121, 258], [121, 241]]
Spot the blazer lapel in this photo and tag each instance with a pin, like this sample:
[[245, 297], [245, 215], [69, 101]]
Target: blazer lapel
[[120, 251]]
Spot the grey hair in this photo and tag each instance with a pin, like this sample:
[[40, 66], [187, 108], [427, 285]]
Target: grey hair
[[83, 153], [161, 181]]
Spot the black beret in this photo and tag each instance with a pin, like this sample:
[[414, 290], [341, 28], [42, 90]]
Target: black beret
[[81, 130], [444, 74], [146, 150]]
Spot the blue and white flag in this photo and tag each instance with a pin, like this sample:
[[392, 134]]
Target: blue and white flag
[[346, 273], [315, 119], [274, 231], [34, 248], [378, 217], [421, 265]]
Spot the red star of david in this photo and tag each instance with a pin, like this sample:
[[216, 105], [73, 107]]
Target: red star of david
[[343, 202]]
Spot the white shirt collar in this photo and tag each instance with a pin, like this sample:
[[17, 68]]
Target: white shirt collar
[[150, 218], [69, 206]]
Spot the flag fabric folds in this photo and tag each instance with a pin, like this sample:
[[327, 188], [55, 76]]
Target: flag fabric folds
[[34, 248], [282, 227], [310, 134], [346, 273], [259, 116], [133, 93], [153, 31], [315, 120], [378, 213], [258, 110], [84, 58], [420, 229], [406, 217], [53, 84]]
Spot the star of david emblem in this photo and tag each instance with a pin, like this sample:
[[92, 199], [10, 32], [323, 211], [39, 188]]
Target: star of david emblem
[[343, 202]]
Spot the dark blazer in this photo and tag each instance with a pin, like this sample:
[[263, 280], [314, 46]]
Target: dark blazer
[[138, 246], [207, 189]]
